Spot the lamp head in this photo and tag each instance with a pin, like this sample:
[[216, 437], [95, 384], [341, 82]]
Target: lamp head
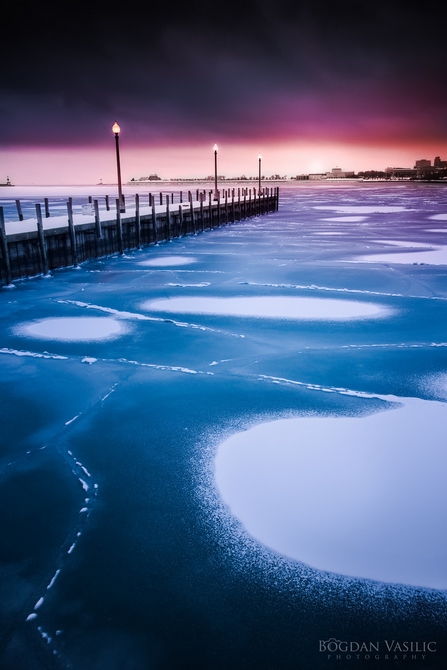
[[215, 148], [115, 128]]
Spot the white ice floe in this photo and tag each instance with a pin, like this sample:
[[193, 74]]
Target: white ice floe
[[364, 209], [272, 307], [32, 354], [55, 576], [438, 217], [72, 329], [168, 261], [345, 219], [434, 256], [360, 496]]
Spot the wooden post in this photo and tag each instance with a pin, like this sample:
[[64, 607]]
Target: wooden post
[[97, 220], [181, 196], [150, 199], [218, 207], [161, 198], [72, 234], [107, 204], [201, 214], [41, 235], [90, 200], [119, 227], [210, 209], [19, 210], [193, 216], [180, 216], [239, 203], [233, 218], [168, 218], [226, 208], [138, 220], [154, 221], [47, 208], [4, 247]]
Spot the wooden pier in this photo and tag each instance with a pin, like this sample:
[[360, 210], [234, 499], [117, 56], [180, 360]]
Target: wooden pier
[[41, 245]]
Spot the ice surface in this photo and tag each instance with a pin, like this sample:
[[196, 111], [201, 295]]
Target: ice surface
[[341, 495], [329, 374], [279, 307]]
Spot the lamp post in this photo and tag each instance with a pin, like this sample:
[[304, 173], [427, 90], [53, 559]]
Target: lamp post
[[116, 130], [215, 172], [259, 179]]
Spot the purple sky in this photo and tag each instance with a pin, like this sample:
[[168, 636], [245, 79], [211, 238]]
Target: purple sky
[[310, 85]]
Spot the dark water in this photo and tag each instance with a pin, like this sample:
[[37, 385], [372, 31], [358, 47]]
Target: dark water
[[107, 492]]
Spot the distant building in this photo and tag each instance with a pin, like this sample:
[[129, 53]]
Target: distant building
[[438, 163], [400, 173], [338, 173], [422, 163], [317, 175]]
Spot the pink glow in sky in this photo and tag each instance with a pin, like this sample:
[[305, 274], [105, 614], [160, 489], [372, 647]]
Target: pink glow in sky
[[90, 165], [310, 86]]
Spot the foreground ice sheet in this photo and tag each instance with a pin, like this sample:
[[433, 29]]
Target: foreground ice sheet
[[278, 307], [361, 496]]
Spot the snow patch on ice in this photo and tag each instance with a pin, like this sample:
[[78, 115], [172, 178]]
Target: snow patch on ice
[[438, 217], [437, 256], [72, 329], [276, 307], [364, 209], [345, 219], [168, 261], [359, 496]]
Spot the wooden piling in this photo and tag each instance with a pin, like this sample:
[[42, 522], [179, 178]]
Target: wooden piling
[[4, 247], [72, 234], [97, 220], [138, 220], [193, 216], [202, 225], [154, 221], [42, 245], [19, 210], [119, 227], [107, 204], [168, 219], [210, 210], [180, 218], [47, 208]]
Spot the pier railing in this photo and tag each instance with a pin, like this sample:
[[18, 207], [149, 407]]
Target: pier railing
[[43, 244]]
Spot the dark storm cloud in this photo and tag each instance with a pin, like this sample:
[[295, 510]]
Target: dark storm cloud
[[241, 70]]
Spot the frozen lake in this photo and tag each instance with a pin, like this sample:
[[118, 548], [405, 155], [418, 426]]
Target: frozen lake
[[220, 451]]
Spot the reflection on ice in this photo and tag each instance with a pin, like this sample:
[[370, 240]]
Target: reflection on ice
[[278, 307], [361, 496]]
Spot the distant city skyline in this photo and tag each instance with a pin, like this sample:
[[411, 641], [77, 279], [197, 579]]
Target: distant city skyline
[[308, 85]]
